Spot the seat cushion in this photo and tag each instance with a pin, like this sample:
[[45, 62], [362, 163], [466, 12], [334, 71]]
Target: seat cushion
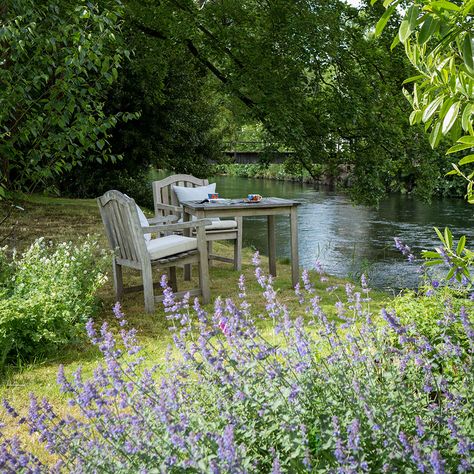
[[222, 225], [170, 245]]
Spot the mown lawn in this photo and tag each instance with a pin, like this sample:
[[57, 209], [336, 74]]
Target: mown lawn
[[57, 220]]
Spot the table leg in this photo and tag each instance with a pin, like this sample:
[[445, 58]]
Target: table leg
[[295, 271], [271, 245], [187, 233]]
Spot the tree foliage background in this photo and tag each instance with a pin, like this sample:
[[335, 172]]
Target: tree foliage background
[[311, 74], [57, 61]]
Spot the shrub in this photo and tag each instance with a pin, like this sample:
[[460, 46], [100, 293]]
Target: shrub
[[319, 397], [46, 296], [427, 308]]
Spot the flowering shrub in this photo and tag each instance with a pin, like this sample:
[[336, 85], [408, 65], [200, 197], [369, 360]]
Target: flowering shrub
[[46, 296], [315, 396]]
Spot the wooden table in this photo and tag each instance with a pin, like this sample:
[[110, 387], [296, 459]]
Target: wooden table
[[269, 207]]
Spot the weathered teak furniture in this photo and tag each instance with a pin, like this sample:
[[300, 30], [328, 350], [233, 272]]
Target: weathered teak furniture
[[127, 238], [269, 207], [166, 203]]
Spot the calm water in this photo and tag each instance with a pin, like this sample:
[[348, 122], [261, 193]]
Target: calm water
[[350, 239]]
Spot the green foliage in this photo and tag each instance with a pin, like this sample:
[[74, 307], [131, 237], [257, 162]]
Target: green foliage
[[319, 84], [457, 257], [176, 129], [427, 307], [438, 41], [46, 296], [285, 171], [57, 61]]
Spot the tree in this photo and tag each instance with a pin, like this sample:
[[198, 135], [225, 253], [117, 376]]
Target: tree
[[315, 78], [439, 42], [57, 61], [176, 128]]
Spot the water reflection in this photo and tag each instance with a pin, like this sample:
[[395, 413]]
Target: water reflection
[[348, 239]]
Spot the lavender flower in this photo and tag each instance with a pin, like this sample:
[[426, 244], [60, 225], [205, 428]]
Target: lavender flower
[[404, 249]]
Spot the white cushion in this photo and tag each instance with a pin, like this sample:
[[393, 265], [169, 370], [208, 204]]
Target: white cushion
[[143, 220], [222, 225], [144, 223], [194, 194], [170, 245]]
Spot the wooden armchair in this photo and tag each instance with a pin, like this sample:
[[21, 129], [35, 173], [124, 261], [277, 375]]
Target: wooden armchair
[[166, 203], [133, 248]]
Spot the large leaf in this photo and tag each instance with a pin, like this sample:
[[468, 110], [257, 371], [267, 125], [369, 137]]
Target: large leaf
[[435, 135], [467, 159], [427, 30], [468, 52], [408, 24], [444, 5], [466, 117], [431, 108], [458, 147], [383, 20], [450, 117], [469, 140]]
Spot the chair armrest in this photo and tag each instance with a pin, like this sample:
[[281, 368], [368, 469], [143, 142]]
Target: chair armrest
[[163, 219], [175, 227], [168, 207]]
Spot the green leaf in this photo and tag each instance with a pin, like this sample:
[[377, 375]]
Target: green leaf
[[467, 159], [461, 244], [412, 79], [427, 30], [408, 24], [431, 108], [452, 172], [395, 42], [383, 20], [450, 117], [468, 52], [466, 117], [415, 116], [429, 254], [443, 4], [468, 139], [448, 237], [440, 235], [456, 148], [435, 135], [430, 263]]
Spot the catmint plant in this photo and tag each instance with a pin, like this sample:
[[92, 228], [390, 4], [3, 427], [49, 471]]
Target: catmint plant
[[363, 393]]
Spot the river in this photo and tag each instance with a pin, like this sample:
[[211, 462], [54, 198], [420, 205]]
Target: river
[[349, 239]]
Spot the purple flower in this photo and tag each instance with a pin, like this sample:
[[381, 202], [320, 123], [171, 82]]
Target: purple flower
[[404, 249], [437, 462]]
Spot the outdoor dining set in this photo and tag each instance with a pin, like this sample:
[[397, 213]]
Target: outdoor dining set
[[187, 221]]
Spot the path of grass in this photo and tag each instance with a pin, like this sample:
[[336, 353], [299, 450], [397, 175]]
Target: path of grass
[[72, 219]]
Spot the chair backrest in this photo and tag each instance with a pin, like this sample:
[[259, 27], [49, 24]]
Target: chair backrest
[[122, 226], [163, 192]]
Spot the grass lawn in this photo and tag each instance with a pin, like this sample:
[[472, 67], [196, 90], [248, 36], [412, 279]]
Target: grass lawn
[[72, 219]]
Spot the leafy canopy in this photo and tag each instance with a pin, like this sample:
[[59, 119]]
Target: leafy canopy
[[57, 61], [439, 42]]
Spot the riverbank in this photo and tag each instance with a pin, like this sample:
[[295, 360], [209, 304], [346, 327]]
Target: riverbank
[[276, 171]]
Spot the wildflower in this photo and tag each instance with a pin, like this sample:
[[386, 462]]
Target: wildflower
[[404, 249]]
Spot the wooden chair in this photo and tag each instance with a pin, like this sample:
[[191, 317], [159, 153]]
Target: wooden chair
[[166, 203], [127, 238]]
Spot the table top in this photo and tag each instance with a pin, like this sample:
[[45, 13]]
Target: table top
[[265, 203]]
